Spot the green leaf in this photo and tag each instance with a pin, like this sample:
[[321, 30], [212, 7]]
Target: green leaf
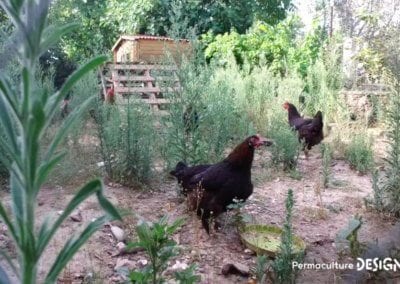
[[95, 186], [18, 207], [46, 168], [53, 34], [56, 99], [63, 129], [71, 247], [7, 221]]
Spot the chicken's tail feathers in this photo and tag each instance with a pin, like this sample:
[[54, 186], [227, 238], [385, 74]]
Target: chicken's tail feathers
[[180, 166]]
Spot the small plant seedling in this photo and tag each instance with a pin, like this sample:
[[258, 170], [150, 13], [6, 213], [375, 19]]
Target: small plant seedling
[[156, 240]]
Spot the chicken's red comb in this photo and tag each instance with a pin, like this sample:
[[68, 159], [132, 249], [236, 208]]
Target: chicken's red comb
[[286, 105]]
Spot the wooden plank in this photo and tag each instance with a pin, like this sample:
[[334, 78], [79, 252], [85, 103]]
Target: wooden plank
[[156, 101], [126, 66], [134, 78], [127, 90]]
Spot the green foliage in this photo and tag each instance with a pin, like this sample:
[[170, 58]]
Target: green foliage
[[326, 163], [261, 268], [97, 33], [187, 276], [81, 142], [103, 21], [153, 17], [272, 45], [126, 135], [359, 154], [282, 265], [286, 146], [387, 190], [25, 114], [202, 105], [159, 246]]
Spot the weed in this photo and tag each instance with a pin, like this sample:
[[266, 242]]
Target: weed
[[160, 247], [387, 195], [282, 265], [359, 154], [286, 146], [261, 268], [126, 135], [326, 164], [187, 276]]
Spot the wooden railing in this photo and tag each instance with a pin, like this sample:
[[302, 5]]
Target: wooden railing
[[149, 82]]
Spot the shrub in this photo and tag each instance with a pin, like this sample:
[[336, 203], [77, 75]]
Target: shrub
[[282, 265], [387, 189], [126, 135], [286, 146], [204, 118], [26, 111], [359, 154]]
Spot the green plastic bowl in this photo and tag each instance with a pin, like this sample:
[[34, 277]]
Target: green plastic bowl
[[266, 239]]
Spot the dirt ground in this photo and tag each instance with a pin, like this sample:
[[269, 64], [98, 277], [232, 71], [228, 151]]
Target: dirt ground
[[319, 214]]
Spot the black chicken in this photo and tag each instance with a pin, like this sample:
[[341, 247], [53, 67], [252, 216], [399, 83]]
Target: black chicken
[[211, 188], [310, 130]]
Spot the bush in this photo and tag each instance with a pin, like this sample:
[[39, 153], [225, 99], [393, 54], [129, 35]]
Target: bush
[[204, 118], [359, 154], [126, 134], [387, 189], [286, 146]]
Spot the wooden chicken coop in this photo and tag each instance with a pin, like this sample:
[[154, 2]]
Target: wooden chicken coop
[[148, 49], [139, 68]]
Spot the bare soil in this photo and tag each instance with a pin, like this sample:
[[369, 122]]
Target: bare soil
[[319, 214]]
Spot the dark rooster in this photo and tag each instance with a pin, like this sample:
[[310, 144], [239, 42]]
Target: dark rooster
[[211, 188], [310, 130]]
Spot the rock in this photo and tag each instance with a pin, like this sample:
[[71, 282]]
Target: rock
[[235, 268], [124, 263], [142, 262], [60, 212], [248, 251], [77, 217], [118, 233], [121, 247], [178, 266]]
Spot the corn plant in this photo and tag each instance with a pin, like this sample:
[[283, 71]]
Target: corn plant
[[25, 113]]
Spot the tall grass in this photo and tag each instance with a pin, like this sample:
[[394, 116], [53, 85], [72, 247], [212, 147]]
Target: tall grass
[[26, 112]]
